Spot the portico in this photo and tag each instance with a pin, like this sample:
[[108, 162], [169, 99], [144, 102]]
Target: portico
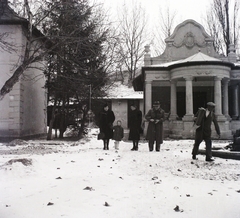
[[189, 74]]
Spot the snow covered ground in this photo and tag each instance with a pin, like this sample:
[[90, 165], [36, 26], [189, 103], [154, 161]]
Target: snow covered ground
[[53, 179]]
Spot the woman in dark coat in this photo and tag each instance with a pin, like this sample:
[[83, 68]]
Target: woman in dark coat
[[106, 120], [135, 121], [155, 117]]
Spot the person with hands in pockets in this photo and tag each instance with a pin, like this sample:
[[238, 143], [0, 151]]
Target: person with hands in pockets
[[155, 116]]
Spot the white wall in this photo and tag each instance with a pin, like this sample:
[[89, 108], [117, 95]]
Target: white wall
[[23, 109], [119, 107]]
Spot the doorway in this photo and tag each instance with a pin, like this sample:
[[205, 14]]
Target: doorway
[[199, 100]]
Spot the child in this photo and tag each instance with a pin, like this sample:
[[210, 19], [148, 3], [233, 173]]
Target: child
[[117, 134]]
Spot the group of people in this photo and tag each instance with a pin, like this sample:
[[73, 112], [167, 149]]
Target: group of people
[[155, 117]]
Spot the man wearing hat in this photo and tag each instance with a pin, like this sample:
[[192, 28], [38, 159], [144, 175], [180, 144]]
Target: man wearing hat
[[203, 132], [155, 117]]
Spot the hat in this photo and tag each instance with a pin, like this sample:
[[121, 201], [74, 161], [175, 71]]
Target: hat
[[105, 105], [211, 104], [156, 103]]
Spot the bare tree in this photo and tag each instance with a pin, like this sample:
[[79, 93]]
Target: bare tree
[[223, 24], [132, 32], [34, 48], [163, 29], [36, 20]]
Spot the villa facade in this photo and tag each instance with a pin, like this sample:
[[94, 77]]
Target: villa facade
[[189, 74]]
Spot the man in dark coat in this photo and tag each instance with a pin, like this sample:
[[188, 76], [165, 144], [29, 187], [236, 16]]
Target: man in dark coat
[[155, 117], [135, 122], [106, 120], [203, 132]]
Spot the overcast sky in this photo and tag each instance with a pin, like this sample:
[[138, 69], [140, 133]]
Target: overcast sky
[[186, 9]]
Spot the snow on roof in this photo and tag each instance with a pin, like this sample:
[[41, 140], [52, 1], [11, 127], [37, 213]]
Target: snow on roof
[[167, 64], [120, 91], [198, 57]]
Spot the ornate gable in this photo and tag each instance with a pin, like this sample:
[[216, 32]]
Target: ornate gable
[[187, 39]]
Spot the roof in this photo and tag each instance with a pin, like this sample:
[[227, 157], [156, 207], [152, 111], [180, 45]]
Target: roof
[[120, 91], [198, 58], [8, 15]]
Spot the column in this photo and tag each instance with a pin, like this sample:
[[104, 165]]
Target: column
[[225, 98], [235, 101], [173, 106], [148, 95], [189, 98], [218, 95]]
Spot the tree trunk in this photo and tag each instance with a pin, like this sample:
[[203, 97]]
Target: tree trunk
[[7, 87], [49, 134], [62, 128]]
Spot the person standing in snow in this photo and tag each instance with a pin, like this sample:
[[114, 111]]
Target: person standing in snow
[[106, 119], [118, 134], [135, 121], [203, 132], [155, 117]]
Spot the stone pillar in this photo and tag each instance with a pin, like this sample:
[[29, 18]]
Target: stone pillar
[[235, 101], [218, 101], [188, 118], [189, 99], [218, 95], [148, 101], [173, 110], [225, 98], [148, 95]]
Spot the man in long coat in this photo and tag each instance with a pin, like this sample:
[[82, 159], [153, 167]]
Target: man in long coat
[[203, 132], [135, 122], [155, 117]]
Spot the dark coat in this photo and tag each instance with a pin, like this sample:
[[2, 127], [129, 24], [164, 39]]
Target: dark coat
[[204, 132], [106, 119], [118, 133], [155, 130], [135, 122]]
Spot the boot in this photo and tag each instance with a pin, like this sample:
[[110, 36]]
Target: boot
[[104, 145], [158, 148], [150, 145], [136, 146]]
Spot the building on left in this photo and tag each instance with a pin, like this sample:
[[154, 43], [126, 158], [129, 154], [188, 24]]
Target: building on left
[[23, 110]]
